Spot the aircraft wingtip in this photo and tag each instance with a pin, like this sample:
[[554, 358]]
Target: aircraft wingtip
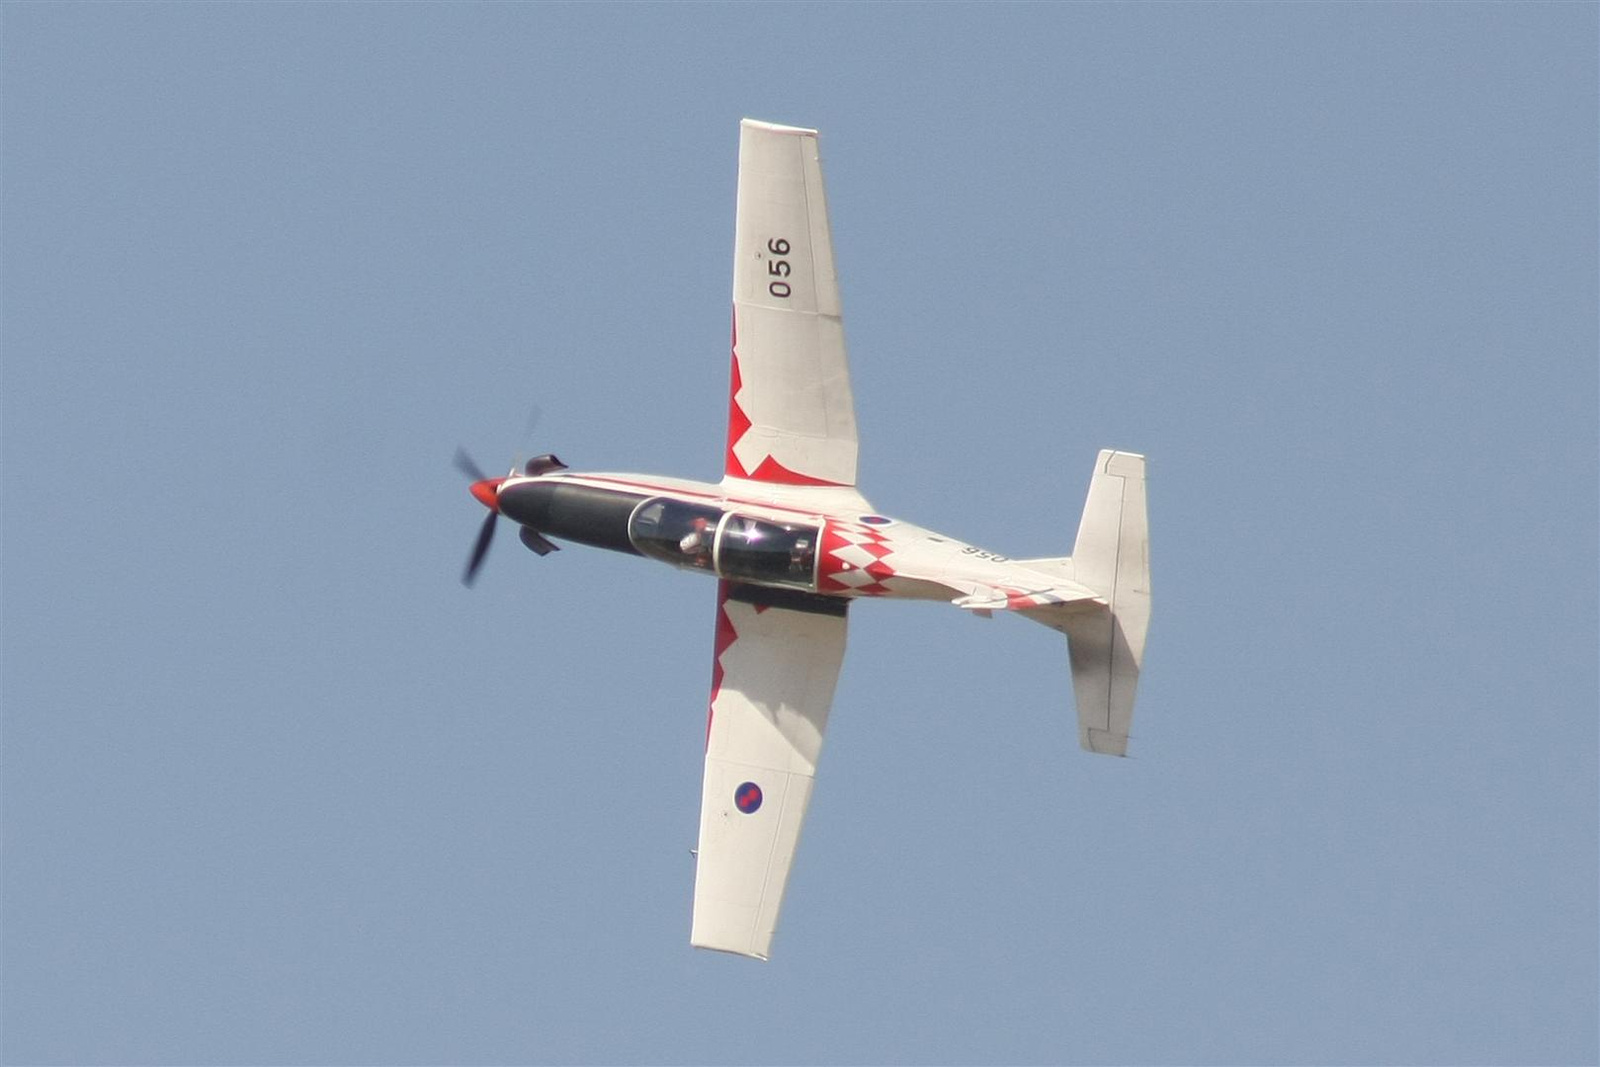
[[775, 127]]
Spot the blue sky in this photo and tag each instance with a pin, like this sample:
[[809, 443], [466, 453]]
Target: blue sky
[[277, 789]]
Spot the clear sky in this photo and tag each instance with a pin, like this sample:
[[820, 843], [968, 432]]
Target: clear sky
[[277, 789]]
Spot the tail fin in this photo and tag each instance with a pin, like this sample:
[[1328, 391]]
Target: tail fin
[[1112, 557]]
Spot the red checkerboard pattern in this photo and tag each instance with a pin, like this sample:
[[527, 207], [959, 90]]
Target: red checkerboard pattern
[[853, 560]]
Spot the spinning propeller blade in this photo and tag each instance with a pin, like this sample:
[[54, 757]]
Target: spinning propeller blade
[[479, 550], [465, 465], [483, 489]]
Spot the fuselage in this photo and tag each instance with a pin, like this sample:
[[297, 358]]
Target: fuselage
[[823, 541]]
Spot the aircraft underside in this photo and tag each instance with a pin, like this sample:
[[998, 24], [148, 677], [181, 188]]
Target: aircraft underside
[[793, 544]]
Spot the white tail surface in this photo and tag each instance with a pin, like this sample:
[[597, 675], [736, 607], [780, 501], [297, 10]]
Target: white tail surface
[[1112, 557]]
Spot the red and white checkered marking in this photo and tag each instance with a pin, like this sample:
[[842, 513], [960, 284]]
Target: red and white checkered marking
[[853, 560]]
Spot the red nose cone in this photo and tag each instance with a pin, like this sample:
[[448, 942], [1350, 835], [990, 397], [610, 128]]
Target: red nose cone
[[485, 492]]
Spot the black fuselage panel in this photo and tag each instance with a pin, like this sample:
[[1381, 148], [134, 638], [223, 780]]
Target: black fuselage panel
[[581, 513]]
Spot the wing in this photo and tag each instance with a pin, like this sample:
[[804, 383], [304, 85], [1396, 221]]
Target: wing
[[791, 417], [772, 680]]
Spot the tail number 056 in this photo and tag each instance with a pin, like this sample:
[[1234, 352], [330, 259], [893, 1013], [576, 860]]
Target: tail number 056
[[778, 268]]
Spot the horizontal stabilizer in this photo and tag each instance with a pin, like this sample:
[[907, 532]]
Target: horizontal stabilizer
[[986, 598]]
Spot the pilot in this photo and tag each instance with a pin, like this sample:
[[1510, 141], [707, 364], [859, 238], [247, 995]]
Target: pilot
[[697, 542], [800, 557]]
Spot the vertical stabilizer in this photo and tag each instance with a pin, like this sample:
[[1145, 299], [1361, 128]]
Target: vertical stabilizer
[[1112, 557]]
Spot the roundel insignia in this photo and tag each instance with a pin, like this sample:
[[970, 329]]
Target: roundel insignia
[[876, 520], [747, 797]]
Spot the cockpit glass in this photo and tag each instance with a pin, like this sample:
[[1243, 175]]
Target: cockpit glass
[[675, 532], [770, 552], [739, 547]]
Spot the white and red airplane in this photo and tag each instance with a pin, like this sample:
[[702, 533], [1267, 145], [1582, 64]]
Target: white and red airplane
[[793, 543]]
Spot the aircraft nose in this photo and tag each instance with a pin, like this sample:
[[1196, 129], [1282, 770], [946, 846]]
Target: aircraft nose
[[485, 492]]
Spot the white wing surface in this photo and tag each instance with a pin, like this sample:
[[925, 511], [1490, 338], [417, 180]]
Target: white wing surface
[[791, 417], [777, 661]]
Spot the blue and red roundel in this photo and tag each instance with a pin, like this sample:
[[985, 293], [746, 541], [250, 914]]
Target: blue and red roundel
[[747, 797]]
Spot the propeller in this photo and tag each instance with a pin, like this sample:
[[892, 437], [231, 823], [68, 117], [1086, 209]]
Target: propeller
[[483, 487], [481, 549], [535, 416], [486, 489], [465, 465]]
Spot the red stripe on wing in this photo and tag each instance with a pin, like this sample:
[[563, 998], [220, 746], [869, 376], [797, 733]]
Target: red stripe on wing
[[726, 635], [738, 421], [769, 469]]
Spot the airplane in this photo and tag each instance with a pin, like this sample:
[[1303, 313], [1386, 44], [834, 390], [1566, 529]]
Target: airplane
[[793, 544]]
